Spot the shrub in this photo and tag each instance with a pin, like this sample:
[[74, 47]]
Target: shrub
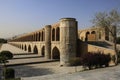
[[9, 73], [95, 60], [119, 57], [6, 54]]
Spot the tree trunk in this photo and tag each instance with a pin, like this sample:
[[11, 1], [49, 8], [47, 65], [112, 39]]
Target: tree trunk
[[115, 49]]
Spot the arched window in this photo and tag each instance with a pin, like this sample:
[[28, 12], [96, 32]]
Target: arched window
[[93, 36], [25, 48], [57, 34], [87, 33], [36, 36], [39, 36], [43, 36], [93, 32], [53, 34]]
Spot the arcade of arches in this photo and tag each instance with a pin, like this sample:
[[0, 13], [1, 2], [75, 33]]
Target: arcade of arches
[[60, 40]]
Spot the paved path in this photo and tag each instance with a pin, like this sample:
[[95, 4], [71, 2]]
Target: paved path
[[28, 70], [58, 73], [22, 57], [110, 73], [13, 49]]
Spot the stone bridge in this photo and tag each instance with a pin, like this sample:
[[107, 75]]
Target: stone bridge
[[57, 41], [61, 40]]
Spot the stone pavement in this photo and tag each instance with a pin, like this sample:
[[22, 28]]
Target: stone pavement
[[22, 57], [41, 69], [110, 73], [52, 70], [36, 68], [13, 49]]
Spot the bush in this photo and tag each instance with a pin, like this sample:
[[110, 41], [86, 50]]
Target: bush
[[118, 40], [95, 60], [7, 54], [9, 73], [119, 57]]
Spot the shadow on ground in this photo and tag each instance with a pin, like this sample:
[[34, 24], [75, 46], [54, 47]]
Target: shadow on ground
[[29, 71]]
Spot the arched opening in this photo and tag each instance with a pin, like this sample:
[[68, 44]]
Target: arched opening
[[39, 36], [53, 34], [57, 34], [93, 32], [36, 36], [93, 36], [55, 53], [22, 47], [29, 48], [35, 50], [87, 34], [19, 46], [32, 37], [25, 48], [42, 35], [43, 51]]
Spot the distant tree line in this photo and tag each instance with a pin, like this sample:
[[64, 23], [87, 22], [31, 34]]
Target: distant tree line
[[3, 40]]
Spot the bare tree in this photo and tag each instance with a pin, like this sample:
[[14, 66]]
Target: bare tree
[[110, 21]]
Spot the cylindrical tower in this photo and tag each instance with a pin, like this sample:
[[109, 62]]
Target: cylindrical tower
[[48, 41], [68, 40]]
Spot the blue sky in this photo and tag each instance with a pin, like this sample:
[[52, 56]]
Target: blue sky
[[22, 16]]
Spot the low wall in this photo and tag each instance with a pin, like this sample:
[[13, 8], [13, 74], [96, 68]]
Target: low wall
[[93, 48]]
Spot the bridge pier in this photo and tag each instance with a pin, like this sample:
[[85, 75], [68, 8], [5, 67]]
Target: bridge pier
[[48, 41], [68, 40]]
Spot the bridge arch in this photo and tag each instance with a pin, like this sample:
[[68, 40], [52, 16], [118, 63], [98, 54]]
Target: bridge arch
[[35, 50], [93, 32], [86, 35], [29, 48], [22, 46], [55, 53], [43, 51], [25, 48]]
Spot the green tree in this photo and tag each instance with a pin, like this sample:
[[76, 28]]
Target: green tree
[[4, 57], [3, 40], [110, 21]]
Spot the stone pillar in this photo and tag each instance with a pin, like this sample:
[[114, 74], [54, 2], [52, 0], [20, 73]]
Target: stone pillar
[[68, 40], [48, 41]]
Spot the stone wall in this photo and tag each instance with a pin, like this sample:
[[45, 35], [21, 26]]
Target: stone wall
[[93, 48]]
